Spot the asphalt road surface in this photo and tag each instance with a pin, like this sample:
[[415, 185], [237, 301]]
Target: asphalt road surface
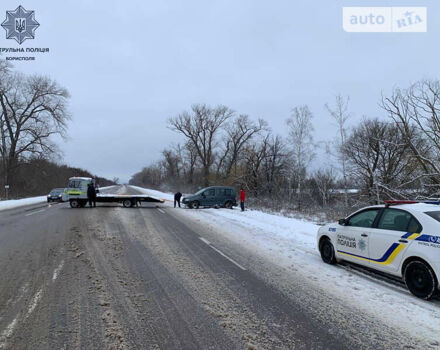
[[147, 278]]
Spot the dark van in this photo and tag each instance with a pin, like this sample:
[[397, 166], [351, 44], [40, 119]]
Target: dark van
[[214, 196]]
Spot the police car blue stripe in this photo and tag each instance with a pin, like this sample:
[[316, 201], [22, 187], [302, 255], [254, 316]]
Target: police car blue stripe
[[406, 235], [428, 238], [382, 259]]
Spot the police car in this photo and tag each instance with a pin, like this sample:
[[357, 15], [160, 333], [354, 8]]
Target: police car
[[401, 238]]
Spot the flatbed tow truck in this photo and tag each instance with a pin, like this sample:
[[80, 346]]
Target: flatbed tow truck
[[76, 194]]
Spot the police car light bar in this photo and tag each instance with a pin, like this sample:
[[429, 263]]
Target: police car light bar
[[394, 202]]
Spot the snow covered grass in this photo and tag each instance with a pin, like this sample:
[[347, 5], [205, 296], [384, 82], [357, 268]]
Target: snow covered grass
[[291, 243], [14, 203]]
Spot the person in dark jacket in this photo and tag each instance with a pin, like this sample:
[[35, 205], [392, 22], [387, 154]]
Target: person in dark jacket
[[242, 198], [177, 197], [91, 195]]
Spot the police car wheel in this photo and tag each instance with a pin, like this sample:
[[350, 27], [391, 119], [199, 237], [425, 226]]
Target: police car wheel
[[228, 205], [420, 279], [327, 251], [196, 205]]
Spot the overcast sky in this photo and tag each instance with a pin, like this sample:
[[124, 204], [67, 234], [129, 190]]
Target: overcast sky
[[130, 65]]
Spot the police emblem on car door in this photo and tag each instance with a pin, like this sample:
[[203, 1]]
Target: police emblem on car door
[[352, 240]]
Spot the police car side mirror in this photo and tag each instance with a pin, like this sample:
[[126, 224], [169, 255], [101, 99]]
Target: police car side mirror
[[342, 222]]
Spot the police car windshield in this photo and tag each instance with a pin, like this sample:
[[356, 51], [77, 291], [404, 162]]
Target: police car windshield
[[200, 192], [434, 214]]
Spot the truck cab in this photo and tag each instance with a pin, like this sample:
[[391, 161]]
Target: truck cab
[[77, 189]]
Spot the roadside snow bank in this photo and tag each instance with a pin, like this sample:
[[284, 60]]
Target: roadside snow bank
[[291, 244], [14, 203]]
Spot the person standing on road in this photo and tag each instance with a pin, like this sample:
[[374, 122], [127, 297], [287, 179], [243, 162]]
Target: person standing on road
[[177, 197], [91, 194], [242, 198]]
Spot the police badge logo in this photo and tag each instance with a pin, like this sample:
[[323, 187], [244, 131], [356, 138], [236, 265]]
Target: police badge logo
[[362, 245], [20, 24]]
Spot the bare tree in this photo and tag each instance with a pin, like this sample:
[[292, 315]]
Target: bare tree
[[255, 154], [239, 132], [116, 180], [324, 179], [341, 114], [190, 161], [301, 141], [172, 164], [201, 127], [379, 159], [276, 165], [416, 111], [33, 108]]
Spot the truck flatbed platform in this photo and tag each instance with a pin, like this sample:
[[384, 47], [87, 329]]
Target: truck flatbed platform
[[127, 200]]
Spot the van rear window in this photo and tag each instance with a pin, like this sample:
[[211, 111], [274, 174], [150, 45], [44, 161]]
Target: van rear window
[[434, 214]]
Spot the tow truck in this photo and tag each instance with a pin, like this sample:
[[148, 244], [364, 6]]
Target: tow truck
[[76, 194]]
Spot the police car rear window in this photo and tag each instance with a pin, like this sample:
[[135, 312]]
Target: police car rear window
[[434, 214]]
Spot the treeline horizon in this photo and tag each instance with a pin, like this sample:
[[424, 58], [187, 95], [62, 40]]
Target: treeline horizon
[[37, 177], [394, 157]]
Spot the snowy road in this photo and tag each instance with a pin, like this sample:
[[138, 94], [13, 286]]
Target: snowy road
[[164, 278]]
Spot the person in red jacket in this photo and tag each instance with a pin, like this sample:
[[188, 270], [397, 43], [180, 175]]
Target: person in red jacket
[[242, 198]]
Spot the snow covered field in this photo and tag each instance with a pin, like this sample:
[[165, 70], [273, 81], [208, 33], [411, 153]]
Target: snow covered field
[[291, 244]]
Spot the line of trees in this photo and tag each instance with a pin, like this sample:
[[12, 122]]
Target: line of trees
[[394, 157]]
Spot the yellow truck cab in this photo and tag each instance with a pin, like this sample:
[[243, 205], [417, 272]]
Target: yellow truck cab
[[76, 191]]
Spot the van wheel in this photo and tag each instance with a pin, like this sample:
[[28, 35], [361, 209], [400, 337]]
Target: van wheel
[[228, 205], [420, 279], [327, 251], [196, 205], [74, 203], [127, 203]]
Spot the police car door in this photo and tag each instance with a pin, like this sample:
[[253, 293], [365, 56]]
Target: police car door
[[352, 239], [387, 242]]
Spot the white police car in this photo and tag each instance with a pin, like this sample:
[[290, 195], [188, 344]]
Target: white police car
[[401, 238]]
